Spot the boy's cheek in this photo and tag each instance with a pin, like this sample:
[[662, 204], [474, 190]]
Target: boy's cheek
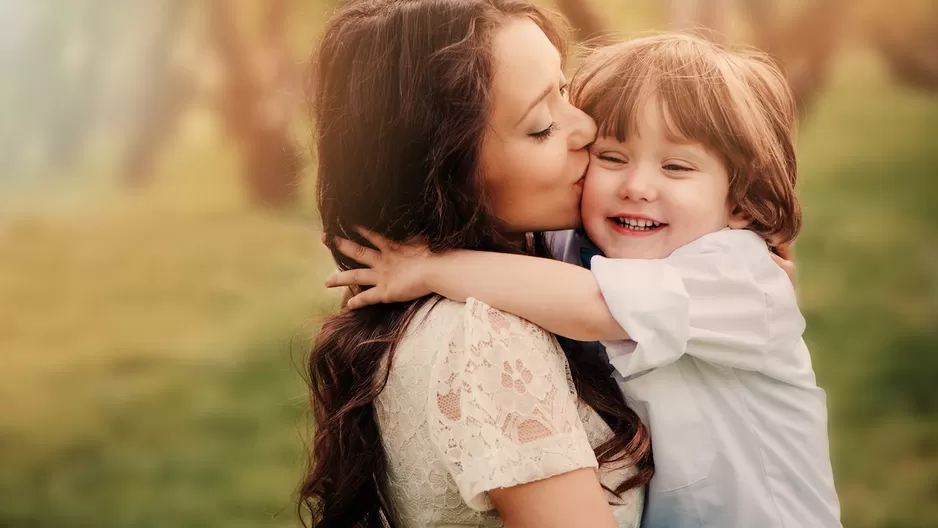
[[588, 199], [593, 205], [596, 191]]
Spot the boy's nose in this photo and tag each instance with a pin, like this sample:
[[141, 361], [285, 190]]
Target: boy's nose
[[638, 185]]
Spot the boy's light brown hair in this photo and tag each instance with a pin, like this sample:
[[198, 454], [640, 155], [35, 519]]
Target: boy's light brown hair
[[736, 103]]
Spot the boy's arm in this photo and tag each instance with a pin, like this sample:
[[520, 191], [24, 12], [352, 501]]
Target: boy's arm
[[562, 298]]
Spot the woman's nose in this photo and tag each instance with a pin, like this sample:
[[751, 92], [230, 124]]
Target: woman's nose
[[584, 129]]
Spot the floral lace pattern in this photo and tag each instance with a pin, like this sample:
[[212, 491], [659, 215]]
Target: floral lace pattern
[[479, 399]]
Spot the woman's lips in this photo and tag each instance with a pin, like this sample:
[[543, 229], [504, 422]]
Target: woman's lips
[[586, 168]]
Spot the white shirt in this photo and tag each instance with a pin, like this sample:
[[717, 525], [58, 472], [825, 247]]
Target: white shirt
[[719, 372]]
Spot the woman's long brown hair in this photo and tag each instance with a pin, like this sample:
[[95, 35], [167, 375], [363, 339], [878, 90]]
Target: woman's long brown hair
[[400, 99]]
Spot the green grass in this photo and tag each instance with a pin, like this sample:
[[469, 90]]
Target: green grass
[[149, 346], [869, 289], [151, 368], [215, 445]]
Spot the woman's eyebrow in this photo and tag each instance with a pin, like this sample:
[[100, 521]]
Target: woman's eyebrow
[[536, 102]]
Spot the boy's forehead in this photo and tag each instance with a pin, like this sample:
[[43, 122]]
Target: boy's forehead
[[650, 115]]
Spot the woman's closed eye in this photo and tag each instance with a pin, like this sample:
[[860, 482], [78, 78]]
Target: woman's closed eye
[[549, 131], [544, 134]]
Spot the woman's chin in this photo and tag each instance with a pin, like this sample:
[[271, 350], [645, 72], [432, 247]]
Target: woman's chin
[[571, 220]]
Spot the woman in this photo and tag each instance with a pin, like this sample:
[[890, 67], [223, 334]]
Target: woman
[[448, 120]]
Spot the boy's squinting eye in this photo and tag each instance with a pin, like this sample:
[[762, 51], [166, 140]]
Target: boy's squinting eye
[[611, 157], [678, 167]]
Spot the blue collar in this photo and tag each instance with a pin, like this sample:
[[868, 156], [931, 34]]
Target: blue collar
[[586, 255]]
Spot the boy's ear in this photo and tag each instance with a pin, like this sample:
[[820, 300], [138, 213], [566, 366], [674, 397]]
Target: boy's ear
[[738, 219]]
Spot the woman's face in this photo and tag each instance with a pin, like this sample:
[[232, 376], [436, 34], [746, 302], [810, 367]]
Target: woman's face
[[534, 153]]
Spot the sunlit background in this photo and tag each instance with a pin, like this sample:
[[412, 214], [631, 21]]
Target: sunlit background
[[160, 270]]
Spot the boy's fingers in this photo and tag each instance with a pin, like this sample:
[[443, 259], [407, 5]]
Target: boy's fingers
[[357, 252], [355, 277], [376, 240], [787, 266], [365, 298]]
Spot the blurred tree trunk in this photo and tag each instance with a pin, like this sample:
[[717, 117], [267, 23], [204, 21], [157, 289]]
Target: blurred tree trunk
[[709, 18], [761, 13], [255, 101], [803, 45], [77, 106], [55, 79], [585, 18], [165, 93], [912, 58]]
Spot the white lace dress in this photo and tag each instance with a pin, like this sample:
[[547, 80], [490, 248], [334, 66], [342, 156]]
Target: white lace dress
[[479, 399]]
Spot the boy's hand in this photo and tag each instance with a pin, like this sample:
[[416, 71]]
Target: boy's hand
[[395, 271], [785, 258]]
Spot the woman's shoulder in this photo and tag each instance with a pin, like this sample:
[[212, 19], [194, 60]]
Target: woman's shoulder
[[465, 324], [453, 339], [445, 335], [480, 318], [481, 359]]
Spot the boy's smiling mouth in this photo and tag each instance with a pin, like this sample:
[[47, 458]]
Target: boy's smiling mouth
[[633, 225]]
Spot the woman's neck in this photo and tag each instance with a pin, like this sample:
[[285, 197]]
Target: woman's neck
[[519, 241]]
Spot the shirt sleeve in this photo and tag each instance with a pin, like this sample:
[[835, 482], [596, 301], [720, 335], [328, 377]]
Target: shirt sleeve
[[720, 299], [503, 409]]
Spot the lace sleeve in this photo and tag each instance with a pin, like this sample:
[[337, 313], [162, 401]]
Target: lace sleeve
[[502, 407]]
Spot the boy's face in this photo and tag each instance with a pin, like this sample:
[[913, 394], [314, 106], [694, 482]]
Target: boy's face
[[655, 193]]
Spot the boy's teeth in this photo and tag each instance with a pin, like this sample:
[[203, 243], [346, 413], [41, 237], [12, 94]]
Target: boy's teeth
[[637, 224]]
